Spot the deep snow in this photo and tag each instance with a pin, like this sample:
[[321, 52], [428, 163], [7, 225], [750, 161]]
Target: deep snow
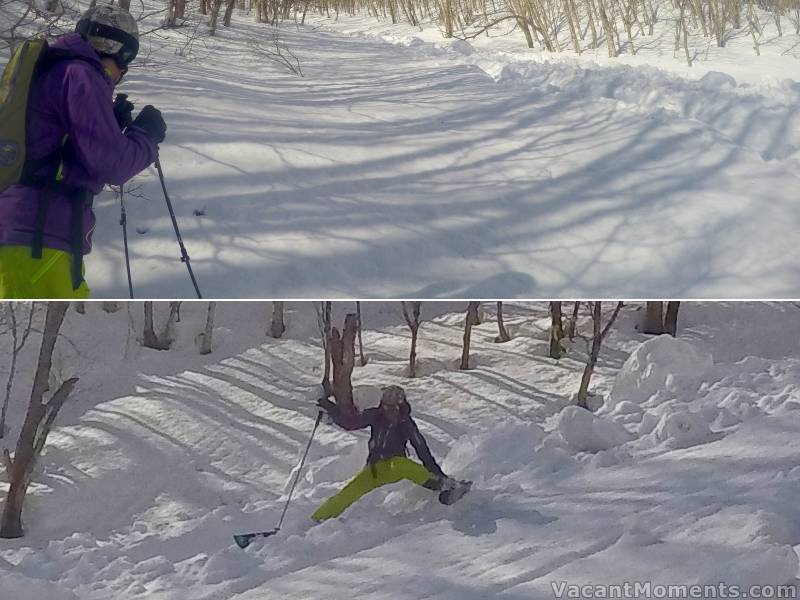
[[406, 165], [691, 473]]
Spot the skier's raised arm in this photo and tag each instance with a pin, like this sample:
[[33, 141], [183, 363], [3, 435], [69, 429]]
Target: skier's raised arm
[[357, 420]]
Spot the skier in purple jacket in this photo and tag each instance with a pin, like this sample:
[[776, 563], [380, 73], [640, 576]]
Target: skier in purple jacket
[[75, 145]]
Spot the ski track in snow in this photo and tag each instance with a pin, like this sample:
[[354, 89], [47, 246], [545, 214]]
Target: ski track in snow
[[151, 470], [417, 169]]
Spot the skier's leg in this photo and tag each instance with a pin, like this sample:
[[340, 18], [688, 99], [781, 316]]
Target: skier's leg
[[22, 276], [405, 468], [361, 484]]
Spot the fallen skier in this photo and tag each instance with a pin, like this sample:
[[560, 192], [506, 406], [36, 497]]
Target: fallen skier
[[392, 428]]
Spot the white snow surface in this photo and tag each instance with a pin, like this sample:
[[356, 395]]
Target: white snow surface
[[159, 457], [406, 165]]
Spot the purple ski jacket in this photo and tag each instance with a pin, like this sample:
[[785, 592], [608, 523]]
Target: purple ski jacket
[[74, 98]]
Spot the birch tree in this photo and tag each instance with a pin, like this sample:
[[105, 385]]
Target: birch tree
[[502, 332], [411, 312], [278, 326], [556, 330], [362, 357], [656, 321], [18, 340], [343, 359], [324, 323], [470, 320], [598, 335], [39, 420], [163, 339], [205, 344]]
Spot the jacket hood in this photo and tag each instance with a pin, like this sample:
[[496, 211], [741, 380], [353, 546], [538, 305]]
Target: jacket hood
[[73, 42]]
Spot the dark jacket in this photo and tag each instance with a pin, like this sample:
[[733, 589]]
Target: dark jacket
[[387, 439]]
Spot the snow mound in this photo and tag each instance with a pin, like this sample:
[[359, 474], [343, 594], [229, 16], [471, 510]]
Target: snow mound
[[662, 367], [683, 429], [708, 564], [461, 47], [339, 467], [713, 81], [20, 587], [740, 404], [738, 526], [228, 564], [583, 431], [507, 448]]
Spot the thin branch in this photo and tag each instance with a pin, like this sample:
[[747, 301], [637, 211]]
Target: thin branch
[[611, 322]]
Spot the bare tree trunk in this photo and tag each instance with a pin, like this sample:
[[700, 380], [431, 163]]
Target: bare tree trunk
[[573, 320], [149, 339], [583, 391], [164, 339], [502, 332], [205, 347], [362, 358], [653, 321], [324, 322], [38, 421], [124, 4], [343, 357], [671, 318], [203, 7], [594, 354], [168, 333], [17, 344], [413, 323], [172, 13], [212, 21], [470, 320], [556, 330], [278, 326], [226, 20]]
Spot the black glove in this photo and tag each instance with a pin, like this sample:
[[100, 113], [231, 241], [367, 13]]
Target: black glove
[[123, 111], [325, 404], [152, 123]]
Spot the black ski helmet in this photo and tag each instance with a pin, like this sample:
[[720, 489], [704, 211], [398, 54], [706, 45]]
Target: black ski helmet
[[393, 395]]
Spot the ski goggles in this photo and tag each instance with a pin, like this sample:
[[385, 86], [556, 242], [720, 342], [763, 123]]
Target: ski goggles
[[130, 45]]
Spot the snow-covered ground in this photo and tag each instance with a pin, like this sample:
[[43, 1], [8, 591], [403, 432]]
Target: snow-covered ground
[[687, 472], [406, 165]]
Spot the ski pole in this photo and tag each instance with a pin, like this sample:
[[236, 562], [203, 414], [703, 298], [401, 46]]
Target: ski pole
[[123, 220], [243, 540], [300, 468], [184, 253]]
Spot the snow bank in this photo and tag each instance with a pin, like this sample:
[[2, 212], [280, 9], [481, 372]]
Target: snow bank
[[502, 450], [230, 563], [715, 99], [683, 429], [664, 562], [738, 526], [583, 431], [19, 587], [660, 368]]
